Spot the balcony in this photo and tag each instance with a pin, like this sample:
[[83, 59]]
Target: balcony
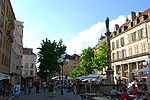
[[10, 35]]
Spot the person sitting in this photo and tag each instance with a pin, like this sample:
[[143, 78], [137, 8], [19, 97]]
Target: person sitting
[[124, 88], [125, 95], [138, 96], [97, 80], [134, 90], [114, 93], [144, 88]]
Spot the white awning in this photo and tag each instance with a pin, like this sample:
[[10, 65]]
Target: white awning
[[4, 76], [145, 69]]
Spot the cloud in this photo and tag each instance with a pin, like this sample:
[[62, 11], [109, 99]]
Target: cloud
[[89, 37]]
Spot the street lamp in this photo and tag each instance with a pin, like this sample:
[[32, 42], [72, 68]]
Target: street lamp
[[62, 61]]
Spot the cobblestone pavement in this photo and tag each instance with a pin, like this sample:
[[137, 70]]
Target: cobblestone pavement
[[46, 96]]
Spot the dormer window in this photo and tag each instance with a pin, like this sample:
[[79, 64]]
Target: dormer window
[[134, 23], [141, 19]]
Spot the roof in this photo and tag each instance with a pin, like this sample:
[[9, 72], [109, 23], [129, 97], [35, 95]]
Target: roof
[[28, 51], [142, 13]]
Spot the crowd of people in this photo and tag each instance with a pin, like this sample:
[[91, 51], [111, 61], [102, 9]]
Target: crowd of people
[[131, 93], [43, 86]]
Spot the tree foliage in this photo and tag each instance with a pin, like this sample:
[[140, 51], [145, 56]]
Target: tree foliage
[[48, 54], [85, 66], [100, 58], [91, 60]]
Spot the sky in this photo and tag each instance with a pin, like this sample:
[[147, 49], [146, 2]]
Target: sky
[[79, 23]]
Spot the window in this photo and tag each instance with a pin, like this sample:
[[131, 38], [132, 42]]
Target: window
[[130, 51], [117, 43], [26, 65], [136, 47], [123, 53], [32, 66], [26, 72], [113, 45], [117, 55], [31, 73], [129, 38], [32, 58], [133, 36], [140, 34], [122, 41], [143, 47], [113, 56]]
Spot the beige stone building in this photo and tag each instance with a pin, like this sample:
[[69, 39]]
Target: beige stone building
[[29, 64], [7, 26], [130, 45], [16, 53], [73, 62]]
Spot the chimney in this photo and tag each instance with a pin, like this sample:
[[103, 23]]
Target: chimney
[[133, 15], [116, 27], [139, 13], [127, 19]]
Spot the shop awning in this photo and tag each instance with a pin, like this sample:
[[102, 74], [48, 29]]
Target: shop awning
[[4, 76], [145, 69]]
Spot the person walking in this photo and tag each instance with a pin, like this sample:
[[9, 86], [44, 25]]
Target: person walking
[[30, 85], [50, 88], [44, 85], [37, 85]]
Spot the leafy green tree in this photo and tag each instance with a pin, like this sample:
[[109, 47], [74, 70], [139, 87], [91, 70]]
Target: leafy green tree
[[48, 55], [100, 58], [91, 60], [85, 67]]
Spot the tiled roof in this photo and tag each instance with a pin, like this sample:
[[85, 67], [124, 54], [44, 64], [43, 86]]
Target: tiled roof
[[142, 13]]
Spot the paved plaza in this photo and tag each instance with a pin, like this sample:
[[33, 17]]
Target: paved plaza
[[45, 96]]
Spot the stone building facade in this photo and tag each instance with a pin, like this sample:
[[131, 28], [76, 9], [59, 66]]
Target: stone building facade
[[29, 64], [71, 65], [130, 45], [7, 27], [17, 53]]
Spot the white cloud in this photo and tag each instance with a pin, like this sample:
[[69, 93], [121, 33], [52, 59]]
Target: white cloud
[[89, 37]]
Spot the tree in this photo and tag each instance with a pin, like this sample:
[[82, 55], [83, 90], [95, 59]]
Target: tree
[[48, 55], [91, 60], [100, 58], [85, 67]]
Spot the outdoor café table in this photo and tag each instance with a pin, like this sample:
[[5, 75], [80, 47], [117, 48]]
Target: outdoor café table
[[99, 98]]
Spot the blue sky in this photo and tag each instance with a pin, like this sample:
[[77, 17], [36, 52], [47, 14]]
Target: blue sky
[[78, 22]]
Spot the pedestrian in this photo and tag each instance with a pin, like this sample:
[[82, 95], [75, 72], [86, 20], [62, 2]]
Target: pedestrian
[[30, 85], [114, 93], [125, 95], [37, 85], [44, 85], [50, 91]]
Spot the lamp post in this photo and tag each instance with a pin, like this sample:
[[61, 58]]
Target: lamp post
[[109, 71], [62, 61]]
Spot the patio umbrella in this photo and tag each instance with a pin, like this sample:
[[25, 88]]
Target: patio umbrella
[[143, 76], [145, 69]]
